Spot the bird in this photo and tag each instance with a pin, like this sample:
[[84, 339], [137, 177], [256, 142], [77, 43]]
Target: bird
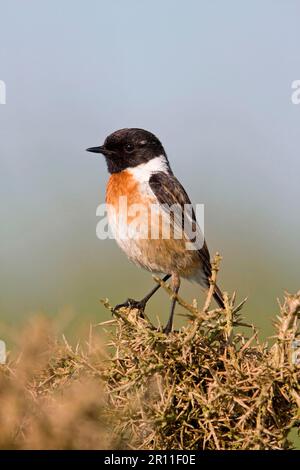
[[140, 174]]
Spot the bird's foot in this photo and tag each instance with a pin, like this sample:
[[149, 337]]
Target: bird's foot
[[131, 304]]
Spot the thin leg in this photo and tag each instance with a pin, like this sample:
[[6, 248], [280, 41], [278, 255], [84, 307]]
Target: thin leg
[[141, 304], [175, 286]]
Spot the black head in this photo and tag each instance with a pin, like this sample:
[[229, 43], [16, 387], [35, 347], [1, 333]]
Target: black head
[[127, 148]]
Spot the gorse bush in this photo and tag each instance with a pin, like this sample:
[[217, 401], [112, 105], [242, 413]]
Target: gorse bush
[[207, 386]]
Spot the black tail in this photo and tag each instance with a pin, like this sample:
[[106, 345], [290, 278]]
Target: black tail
[[218, 296]]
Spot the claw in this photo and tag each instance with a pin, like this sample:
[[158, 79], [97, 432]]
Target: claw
[[131, 303]]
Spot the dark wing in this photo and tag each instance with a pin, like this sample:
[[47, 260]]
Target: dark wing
[[168, 192]]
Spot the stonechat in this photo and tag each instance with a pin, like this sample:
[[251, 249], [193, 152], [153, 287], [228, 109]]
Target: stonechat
[[141, 174]]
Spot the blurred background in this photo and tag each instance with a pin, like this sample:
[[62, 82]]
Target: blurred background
[[211, 79]]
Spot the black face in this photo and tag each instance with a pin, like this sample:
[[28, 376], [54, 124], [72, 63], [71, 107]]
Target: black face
[[127, 148]]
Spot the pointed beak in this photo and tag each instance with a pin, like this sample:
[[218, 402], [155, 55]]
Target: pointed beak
[[100, 149]]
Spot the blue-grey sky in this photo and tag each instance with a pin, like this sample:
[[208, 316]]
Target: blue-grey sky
[[211, 79]]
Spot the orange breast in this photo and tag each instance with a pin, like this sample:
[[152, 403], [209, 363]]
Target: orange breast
[[122, 184], [152, 250]]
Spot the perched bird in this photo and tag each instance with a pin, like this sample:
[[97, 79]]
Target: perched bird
[[141, 173]]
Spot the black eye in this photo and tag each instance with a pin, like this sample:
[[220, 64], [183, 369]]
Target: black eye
[[129, 147]]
